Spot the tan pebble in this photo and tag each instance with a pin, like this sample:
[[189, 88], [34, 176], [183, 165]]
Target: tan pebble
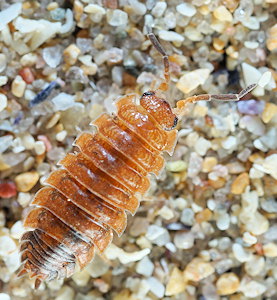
[[270, 250], [218, 183], [26, 181], [3, 165], [204, 10], [78, 10], [71, 54], [271, 42], [200, 111], [176, 166], [227, 284], [231, 5], [203, 216], [198, 269], [53, 120], [176, 283], [192, 80], [28, 59], [232, 52], [218, 26], [223, 14], [52, 6], [208, 164], [249, 238], [18, 86], [218, 44], [124, 295], [240, 183], [256, 158], [95, 111], [269, 112], [166, 213], [89, 70]]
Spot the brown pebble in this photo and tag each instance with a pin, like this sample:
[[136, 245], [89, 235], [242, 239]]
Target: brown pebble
[[203, 216], [240, 183], [27, 75], [26, 181]]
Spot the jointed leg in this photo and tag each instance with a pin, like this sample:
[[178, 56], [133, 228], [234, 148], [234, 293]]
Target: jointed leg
[[180, 109], [163, 86]]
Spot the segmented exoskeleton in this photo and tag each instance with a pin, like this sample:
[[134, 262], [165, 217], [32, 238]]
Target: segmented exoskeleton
[[87, 198]]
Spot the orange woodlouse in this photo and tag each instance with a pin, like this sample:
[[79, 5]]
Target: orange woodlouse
[[86, 199]]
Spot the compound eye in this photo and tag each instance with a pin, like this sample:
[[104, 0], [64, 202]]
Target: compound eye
[[149, 93]]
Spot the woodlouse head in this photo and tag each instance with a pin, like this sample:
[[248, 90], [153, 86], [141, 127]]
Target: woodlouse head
[[160, 109]]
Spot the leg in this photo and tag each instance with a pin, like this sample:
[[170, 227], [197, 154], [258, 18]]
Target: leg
[[180, 109], [163, 86]]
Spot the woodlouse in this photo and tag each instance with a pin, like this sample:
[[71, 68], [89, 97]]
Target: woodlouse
[[87, 198]]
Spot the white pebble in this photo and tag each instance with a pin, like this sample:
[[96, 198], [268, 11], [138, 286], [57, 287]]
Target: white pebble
[[145, 267], [202, 146], [3, 62], [240, 253], [187, 217], [265, 79], [193, 34], [3, 102], [3, 80], [252, 289], [117, 17], [39, 147], [255, 265], [60, 136], [159, 9], [28, 141], [24, 199], [65, 293], [249, 238], [229, 143], [157, 235], [17, 230], [166, 213], [186, 9], [97, 267], [4, 296], [7, 245], [252, 75], [156, 287], [223, 221], [96, 12], [9, 14], [63, 101], [138, 7], [81, 278], [171, 36], [113, 252], [253, 124], [28, 59], [251, 23], [184, 240]]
